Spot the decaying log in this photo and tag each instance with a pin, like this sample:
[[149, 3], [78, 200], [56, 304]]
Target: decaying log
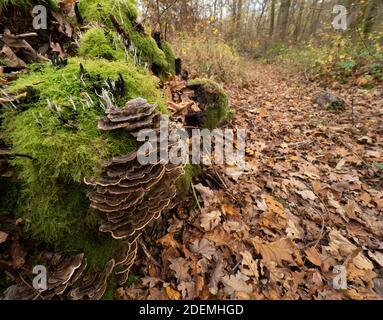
[[121, 31]]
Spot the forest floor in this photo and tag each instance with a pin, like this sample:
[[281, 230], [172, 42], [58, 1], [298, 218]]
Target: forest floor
[[309, 203]]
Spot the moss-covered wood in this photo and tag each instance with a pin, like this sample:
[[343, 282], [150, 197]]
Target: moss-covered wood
[[58, 129], [212, 101]]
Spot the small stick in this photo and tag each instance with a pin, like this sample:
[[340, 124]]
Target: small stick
[[195, 197], [147, 253]]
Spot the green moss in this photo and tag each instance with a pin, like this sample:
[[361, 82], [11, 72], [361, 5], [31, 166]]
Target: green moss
[[17, 3], [213, 100], [9, 191], [170, 56], [59, 84], [99, 10], [110, 292], [126, 13], [148, 50], [184, 183], [53, 201], [27, 3], [96, 44]]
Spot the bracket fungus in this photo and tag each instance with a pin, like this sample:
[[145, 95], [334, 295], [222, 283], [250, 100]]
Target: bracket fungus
[[62, 273], [135, 116], [129, 194], [93, 286]]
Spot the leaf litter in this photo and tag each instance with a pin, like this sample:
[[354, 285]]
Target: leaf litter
[[310, 200]]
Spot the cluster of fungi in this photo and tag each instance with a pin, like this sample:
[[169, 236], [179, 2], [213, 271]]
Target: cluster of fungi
[[129, 195]]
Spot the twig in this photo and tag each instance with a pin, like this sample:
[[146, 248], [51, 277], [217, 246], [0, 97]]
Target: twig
[[195, 197], [320, 214], [29, 286], [147, 253], [15, 155], [357, 155], [220, 178], [26, 35], [353, 112]]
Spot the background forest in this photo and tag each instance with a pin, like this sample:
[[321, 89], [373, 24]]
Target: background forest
[[297, 32]]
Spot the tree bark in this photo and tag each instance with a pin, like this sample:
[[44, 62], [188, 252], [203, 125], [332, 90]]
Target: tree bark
[[272, 19], [283, 19], [370, 16]]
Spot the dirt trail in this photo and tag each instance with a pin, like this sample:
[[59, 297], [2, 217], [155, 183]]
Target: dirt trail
[[310, 202]]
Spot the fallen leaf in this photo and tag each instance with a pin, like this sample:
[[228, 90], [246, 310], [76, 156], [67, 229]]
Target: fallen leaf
[[157, 294], [236, 283], [274, 205], [207, 194], [204, 247], [3, 237], [188, 290], [172, 293], [366, 198], [181, 268], [18, 254], [169, 241], [278, 251], [210, 220], [377, 257], [339, 245], [216, 276], [313, 256], [249, 267], [229, 210], [307, 195]]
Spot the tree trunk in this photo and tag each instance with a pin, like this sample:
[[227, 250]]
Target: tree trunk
[[370, 16], [272, 19], [283, 19], [315, 21], [298, 26]]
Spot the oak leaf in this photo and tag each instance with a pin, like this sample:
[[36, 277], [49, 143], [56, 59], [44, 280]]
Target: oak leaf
[[204, 247], [181, 268], [236, 283], [278, 251]]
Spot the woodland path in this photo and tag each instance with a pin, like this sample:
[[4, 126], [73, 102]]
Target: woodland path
[[311, 200]]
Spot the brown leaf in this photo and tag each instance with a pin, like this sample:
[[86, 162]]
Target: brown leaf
[[210, 220], [181, 268], [274, 205], [216, 276], [64, 25], [168, 241], [339, 245], [313, 256], [207, 194], [278, 251], [307, 195], [157, 294], [188, 290], [204, 247], [172, 293], [18, 254], [249, 267], [237, 283], [3, 237], [12, 60], [18, 44], [229, 210], [377, 256], [366, 198]]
